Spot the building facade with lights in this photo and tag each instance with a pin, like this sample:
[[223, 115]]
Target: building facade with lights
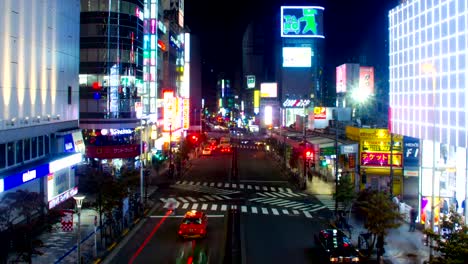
[[302, 49], [40, 139], [428, 93]]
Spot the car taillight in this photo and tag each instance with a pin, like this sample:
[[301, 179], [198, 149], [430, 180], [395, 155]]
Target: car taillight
[[180, 231], [333, 259]]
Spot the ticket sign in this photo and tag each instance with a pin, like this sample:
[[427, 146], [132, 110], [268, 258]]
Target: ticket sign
[[380, 159]]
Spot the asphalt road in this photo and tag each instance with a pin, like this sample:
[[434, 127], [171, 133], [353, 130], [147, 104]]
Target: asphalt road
[[270, 221]]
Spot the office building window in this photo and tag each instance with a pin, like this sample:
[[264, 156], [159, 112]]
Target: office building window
[[11, 153], [40, 142], [27, 149], [2, 156], [47, 144], [33, 147], [19, 151]]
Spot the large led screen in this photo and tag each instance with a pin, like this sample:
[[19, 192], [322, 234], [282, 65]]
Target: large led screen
[[268, 90], [302, 22], [297, 57]]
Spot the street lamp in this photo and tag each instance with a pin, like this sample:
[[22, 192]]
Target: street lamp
[[428, 68], [79, 202]]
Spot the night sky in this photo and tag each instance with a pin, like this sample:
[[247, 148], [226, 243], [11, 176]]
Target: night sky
[[353, 28]]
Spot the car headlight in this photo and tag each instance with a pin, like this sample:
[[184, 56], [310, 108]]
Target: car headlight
[[355, 259], [333, 259]]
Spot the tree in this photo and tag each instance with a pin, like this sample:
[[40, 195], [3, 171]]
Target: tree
[[345, 193], [381, 215], [453, 244]]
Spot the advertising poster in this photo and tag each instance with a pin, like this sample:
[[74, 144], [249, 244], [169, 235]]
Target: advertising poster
[[411, 152], [302, 21], [320, 112], [341, 79], [268, 90], [426, 210], [67, 220], [366, 80]]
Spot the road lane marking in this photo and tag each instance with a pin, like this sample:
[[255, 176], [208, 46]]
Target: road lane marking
[[275, 212], [254, 210], [318, 208], [185, 206], [244, 208], [272, 194], [225, 197], [204, 206], [209, 197], [223, 207], [191, 199], [214, 207], [264, 210], [262, 194], [218, 197], [202, 199], [195, 206], [287, 194], [307, 214], [285, 211]]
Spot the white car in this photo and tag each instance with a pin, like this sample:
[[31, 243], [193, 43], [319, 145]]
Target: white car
[[206, 151]]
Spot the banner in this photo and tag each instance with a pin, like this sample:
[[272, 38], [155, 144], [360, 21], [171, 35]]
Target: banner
[[67, 220], [113, 152], [380, 159]]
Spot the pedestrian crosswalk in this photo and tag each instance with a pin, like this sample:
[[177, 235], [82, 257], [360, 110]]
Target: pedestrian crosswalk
[[281, 194], [237, 186], [203, 189], [211, 208], [204, 198], [241, 146], [295, 205], [328, 201]]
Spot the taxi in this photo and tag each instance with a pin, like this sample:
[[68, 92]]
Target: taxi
[[193, 225]]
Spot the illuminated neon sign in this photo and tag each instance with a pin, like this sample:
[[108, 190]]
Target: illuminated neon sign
[[302, 21]]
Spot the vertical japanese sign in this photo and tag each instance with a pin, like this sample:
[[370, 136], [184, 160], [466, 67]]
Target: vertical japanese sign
[[186, 111], [169, 107]]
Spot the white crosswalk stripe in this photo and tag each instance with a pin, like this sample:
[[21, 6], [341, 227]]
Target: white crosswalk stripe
[[203, 189], [257, 188], [296, 205], [219, 184], [204, 206], [249, 187], [212, 184], [195, 206], [281, 194], [254, 210], [205, 184], [285, 211], [213, 207], [185, 206], [275, 212], [307, 214], [192, 199], [241, 186], [223, 207], [244, 209], [329, 202], [296, 212], [264, 210]]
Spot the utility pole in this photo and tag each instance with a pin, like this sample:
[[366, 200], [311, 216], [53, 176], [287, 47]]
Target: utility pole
[[391, 165]]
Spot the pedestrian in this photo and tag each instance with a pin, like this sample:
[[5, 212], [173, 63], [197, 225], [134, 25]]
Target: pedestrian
[[171, 204], [413, 215], [396, 201]]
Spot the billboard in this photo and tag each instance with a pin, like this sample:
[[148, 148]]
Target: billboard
[[411, 152], [256, 101], [341, 79], [268, 90], [169, 110], [302, 22], [366, 80], [320, 113], [268, 115], [297, 57], [250, 81]]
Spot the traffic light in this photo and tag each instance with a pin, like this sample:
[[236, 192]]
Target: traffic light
[[308, 154]]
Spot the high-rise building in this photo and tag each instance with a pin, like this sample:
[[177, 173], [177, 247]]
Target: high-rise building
[[111, 71], [40, 141], [428, 93]]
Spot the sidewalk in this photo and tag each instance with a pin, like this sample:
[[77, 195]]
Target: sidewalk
[[402, 246]]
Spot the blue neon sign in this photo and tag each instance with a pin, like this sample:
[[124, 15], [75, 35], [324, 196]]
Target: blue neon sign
[[20, 178]]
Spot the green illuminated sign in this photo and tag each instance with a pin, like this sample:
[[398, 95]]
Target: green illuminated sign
[[302, 21]]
